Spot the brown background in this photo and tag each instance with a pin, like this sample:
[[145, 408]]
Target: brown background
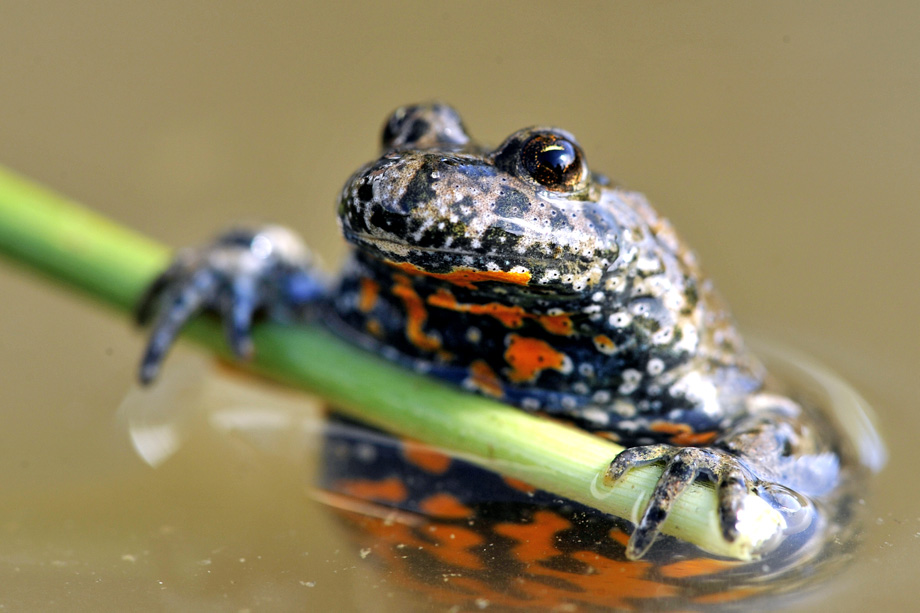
[[784, 143]]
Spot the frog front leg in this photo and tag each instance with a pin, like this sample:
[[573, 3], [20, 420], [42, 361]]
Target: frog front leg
[[774, 452], [243, 272]]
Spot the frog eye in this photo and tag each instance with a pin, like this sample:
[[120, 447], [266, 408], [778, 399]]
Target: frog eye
[[554, 161]]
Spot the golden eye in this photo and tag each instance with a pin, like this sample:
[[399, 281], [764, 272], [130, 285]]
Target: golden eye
[[554, 162]]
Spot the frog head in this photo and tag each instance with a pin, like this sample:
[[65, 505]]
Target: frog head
[[528, 212]]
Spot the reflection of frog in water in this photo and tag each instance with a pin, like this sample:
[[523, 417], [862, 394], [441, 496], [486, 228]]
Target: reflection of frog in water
[[519, 274]]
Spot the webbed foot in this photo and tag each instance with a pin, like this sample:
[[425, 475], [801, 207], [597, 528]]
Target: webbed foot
[[682, 466], [242, 272]]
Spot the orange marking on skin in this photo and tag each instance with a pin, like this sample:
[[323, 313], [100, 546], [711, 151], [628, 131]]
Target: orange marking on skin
[[465, 277], [604, 344], [368, 291], [519, 485], [557, 324], [608, 583], [373, 327], [619, 536], [426, 458], [536, 540], [695, 567], [528, 357], [484, 379], [728, 596], [387, 490], [682, 434], [610, 436], [510, 316], [416, 315], [444, 505], [453, 544], [614, 582]]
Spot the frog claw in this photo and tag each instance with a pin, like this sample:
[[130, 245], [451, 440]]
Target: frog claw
[[682, 467]]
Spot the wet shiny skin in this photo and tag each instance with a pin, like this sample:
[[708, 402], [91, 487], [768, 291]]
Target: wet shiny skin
[[519, 274]]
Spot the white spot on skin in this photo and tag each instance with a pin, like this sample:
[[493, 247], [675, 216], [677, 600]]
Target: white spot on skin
[[551, 275], [631, 380], [648, 264], [655, 366], [620, 320], [567, 365], [601, 397], [689, 339], [530, 404], [639, 308], [624, 408], [596, 416], [365, 453], [698, 390], [663, 336]]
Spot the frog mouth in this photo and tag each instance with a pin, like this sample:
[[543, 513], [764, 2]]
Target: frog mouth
[[405, 251], [464, 267]]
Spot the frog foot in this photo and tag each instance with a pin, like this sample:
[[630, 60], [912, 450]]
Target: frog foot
[[682, 466], [243, 271]]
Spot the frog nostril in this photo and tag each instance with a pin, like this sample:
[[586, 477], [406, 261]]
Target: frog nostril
[[365, 192]]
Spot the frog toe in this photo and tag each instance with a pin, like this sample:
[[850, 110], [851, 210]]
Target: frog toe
[[178, 304], [681, 470], [147, 306], [237, 312], [634, 457], [733, 489]]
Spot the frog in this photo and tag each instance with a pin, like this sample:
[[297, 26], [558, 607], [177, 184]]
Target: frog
[[520, 274]]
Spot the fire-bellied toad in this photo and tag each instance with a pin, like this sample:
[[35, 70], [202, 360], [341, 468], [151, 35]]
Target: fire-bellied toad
[[520, 274]]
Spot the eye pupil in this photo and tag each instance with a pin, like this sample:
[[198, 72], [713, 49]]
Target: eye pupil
[[553, 161], [558, 156]]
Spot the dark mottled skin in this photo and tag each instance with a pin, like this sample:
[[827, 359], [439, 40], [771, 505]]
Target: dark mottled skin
[[535, 283]]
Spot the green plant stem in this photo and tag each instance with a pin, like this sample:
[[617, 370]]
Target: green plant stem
[[113, 264]]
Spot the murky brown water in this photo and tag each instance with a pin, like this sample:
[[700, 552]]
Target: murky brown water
[[783, 143]]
